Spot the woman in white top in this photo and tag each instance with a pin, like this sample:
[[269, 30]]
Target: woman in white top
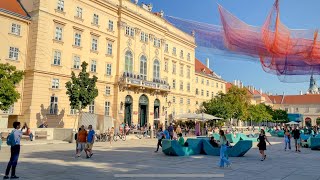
[[223, 149]]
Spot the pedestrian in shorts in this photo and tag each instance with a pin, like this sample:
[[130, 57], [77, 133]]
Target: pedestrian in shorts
[[90, 141], [81, 140], [296, 137]]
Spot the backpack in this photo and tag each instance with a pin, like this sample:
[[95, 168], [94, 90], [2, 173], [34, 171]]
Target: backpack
[[228, 143], [10, 139], [76, 136]]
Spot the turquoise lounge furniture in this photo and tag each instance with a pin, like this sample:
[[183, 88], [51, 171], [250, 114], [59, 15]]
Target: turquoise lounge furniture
[[232, 139], [238, 150], [216, 136], [173, 148], [304, 137], [280, 133], [306, 143], [314, 143], [244, 137]]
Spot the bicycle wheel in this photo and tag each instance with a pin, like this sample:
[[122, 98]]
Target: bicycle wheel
[[115, 138], [123, 138], [139, 136]]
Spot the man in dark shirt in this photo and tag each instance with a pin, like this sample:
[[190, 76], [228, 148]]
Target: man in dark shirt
[[296, 137], [213, 142], [170, 129]]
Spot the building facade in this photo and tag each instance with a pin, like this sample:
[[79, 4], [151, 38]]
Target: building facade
[[146, 67], [14, 33]]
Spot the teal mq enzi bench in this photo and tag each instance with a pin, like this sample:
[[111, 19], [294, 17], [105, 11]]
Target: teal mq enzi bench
[[173, 148], [238, 150]]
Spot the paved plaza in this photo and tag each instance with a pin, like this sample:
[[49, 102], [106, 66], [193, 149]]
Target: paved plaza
[[137, 157]]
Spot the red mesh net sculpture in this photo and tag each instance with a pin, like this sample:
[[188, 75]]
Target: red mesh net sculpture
[[281, 51]]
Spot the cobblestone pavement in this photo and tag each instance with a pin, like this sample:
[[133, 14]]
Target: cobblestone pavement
[[137, 157]]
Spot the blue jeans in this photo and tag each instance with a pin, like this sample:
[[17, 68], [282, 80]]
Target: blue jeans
[[31, 136], [288, 143], [15, 151], [223, 158]]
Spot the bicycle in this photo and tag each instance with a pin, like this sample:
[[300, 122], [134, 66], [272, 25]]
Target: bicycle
[[142, 134], [119, 136]]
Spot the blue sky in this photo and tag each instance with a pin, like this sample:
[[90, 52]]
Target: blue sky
[[296, 14]]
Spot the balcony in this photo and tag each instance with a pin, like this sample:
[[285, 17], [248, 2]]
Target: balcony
[[138, 83]]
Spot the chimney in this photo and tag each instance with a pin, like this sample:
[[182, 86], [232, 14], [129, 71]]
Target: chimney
[[207, 63]]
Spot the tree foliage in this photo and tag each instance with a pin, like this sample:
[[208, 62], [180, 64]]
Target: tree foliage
[[9, 78], [81, 89], [279, 115], [259, 113], [233, 104]]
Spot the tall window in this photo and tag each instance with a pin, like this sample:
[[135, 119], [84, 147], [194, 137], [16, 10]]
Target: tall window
[[109, 69], [144, 37], [188, 101], [56, 58], [188, 57], [202, 81], [15, 29], [188, 72], [188, 87], [107, 108], [93, 66], [156, 42], [156, 69], [73, 111], [13, 53], [95, 20], [221, 86], [94, 43], [217, 85], [55, 83], [166, 66], [197, 91], [174, 51], [110, 25], [109, 50], [212, 94], [91, 108], [174, 84], [128, 62], [196, 79], [181, 70], [58, 33], [79, 12], [143, 67], [129, 31], [202, 93], [53, 105], [76, 62], [181, 54], [207, 82], [77, 39], [166, 48], [207, 93], [108, 90], [174, 99], [60, 5], [174, 68], [181, 100], [181, 85]]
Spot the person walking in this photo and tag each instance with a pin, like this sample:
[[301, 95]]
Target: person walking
[[81, 140], [296, 137], [178, 130], [14, 141], [160, 136], [287, 139], [170, 129], [90, 141], [223, 148], [262, 139], [111, 134]]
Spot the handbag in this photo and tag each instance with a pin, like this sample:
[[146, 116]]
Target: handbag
[[258, 144]]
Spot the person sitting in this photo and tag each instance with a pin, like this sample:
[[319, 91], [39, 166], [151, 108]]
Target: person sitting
[[213, 142], [181, 141], [27, 131]]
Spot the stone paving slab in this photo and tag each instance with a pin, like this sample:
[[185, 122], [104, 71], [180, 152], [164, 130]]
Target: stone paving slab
[[57, 161]]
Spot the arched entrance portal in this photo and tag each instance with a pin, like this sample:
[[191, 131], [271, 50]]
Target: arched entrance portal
[[156, 110], [143, 110], [307, 122], [128, 110]]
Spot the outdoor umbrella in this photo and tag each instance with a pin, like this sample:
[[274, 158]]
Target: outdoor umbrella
[[206, 117], [292, 123]]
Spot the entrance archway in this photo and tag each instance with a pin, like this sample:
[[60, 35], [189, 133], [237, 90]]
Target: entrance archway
[[143, 110], [307, 121], [128, 110], [156, 110]]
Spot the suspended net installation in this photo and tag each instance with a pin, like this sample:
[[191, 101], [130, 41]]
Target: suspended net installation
[[280, 50]]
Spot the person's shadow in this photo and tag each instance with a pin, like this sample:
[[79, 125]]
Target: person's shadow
[[53, 120]]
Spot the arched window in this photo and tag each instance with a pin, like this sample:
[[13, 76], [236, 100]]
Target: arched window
[[156, 69], [128, 62], [143, 67]]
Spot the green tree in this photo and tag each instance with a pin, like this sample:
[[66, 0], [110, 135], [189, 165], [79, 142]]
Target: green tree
[[259, 113], [81, 89], [280, 115], [9, 77]]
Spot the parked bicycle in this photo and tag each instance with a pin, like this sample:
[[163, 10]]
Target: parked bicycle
[[142, 134], [119, 136]]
